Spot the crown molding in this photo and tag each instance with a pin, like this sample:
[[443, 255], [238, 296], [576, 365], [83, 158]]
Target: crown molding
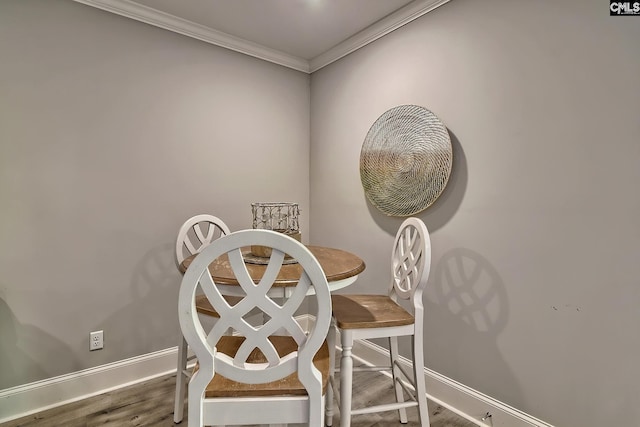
[[148, 15], [169, 22], [403, 16]]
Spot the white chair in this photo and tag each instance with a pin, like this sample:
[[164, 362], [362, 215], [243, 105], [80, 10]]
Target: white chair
[[195, 234], [380, 316], [266, 374]]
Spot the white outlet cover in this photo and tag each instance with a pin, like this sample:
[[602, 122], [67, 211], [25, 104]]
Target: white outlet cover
[[96, 341]]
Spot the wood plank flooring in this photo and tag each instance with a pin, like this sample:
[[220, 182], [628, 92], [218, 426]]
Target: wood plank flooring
[[151, 404]]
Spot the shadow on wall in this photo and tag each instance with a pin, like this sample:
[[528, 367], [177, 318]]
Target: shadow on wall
[[23, 346], [466, 309], [149, 322], [445, 207]]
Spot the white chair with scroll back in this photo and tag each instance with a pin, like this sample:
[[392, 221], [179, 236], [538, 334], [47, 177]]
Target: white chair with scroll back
[[380, 316], [194, 235], [272, 373]]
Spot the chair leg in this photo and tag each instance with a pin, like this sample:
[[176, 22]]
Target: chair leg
[[396, 374], [317, 406], [346, 377], [181, 381], [331, 343], [195, 410], [418, 373]]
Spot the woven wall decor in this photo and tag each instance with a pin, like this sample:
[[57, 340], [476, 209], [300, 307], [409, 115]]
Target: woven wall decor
[[405, 160]]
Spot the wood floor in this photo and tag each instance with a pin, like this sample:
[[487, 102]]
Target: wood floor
[[151, 404]]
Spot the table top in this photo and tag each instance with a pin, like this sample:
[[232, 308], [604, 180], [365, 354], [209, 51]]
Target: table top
[[336, 263]]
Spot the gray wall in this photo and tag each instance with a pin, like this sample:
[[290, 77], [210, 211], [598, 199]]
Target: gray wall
[[534, 291], [112, 133]]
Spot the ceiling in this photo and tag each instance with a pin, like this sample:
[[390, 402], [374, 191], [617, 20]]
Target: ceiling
[[304, 35]]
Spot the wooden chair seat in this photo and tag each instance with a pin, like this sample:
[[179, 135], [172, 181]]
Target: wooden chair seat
[[368, 311], [288, 386], [203, 306]]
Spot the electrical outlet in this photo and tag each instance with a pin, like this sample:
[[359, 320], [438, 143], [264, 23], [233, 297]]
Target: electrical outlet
[[96, 340]]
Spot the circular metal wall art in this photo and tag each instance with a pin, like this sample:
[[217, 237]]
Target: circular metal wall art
[[405, 160]]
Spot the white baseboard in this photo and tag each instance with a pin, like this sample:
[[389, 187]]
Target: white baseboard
[[460, 399], [38, 396], [30, 398]]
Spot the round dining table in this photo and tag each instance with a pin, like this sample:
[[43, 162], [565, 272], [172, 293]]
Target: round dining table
[[340, 267]]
